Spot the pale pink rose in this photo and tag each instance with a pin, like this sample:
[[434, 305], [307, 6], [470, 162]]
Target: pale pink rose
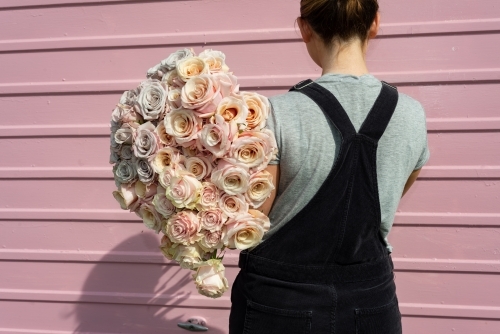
[[146, 141], [217, 138], [254, 149], [202, 94], [246, 230], [216, 60], [233, 109], [188, 256], [174, 99], [228, 83], [199, 166], [260, 188], [162, 204], [167, 156], [125, 134], [152, 99], [212, 219], [209, 196], [233, 205], [168, 248], [172, 80], [126, 196], [191, 67], [184, 228], [210, 279], [258, 110], [145, 191], [151, 218], [231, 178], [184, 189], [211, 241], [166, 175], [183, 125]]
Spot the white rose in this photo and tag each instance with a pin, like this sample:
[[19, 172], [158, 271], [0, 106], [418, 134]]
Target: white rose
[[210, 279], [146, 141], [188, 256], [150, 217], [152, 99], [126, 196], [171, 62], [216, 60]]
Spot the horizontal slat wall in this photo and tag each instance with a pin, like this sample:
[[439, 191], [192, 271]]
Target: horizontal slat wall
[[72, 261]]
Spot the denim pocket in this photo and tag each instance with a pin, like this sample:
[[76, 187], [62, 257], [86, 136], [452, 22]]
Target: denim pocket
[[261, 319], [385, 319]]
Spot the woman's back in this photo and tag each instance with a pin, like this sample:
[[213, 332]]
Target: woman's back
[[308, 144]]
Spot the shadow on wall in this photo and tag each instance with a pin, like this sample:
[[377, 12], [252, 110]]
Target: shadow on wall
[[125, 297]]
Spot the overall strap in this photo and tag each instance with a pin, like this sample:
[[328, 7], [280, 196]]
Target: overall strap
[[328, 103], [379, 116]]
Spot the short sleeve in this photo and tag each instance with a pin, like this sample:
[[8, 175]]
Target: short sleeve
[[273, 125], [425, 155]]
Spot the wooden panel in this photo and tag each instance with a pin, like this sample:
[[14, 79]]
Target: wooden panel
[[72, 261]]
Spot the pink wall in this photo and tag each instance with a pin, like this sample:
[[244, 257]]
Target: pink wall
[[72, 261]]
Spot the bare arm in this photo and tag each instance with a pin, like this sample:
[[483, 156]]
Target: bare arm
[[268, 204], [411, 180]]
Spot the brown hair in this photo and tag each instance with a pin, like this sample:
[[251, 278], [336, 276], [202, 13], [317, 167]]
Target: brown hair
[[343, 19]]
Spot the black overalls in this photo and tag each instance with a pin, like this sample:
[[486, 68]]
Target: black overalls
[[328, 269]]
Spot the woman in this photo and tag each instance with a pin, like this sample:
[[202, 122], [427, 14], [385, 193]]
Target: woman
[[350, 147]]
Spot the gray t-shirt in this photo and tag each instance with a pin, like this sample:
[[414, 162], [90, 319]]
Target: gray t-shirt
[[308, 145]]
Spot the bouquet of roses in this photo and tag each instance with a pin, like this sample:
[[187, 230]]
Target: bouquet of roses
[[189, 153]]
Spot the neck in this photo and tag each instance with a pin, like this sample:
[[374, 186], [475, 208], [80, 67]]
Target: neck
[[345, 58]]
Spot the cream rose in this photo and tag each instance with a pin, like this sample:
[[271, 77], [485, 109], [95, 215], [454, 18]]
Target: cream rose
[[162, 204], [145, 191], [210, 280], [183, 125], [184, 189], [246, 230], [188, 256], [166, 175], [168, 248], [231, 178], [152, 99], [233, 109], [151, 218], [126, 196], [254, 149], [260, 188], [202, 94], [200, 167], [258, 110], [172, 80], [233, 205], [146, 141], [217, 137], [167, 156], [191, 67], [174, 99], [165, 138], [209, 196], [184, 228]]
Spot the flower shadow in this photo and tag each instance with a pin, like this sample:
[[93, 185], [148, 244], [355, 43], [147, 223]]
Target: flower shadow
[[132, 290]]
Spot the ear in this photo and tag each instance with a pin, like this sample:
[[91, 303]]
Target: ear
[[305, 29], [374, 27]]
